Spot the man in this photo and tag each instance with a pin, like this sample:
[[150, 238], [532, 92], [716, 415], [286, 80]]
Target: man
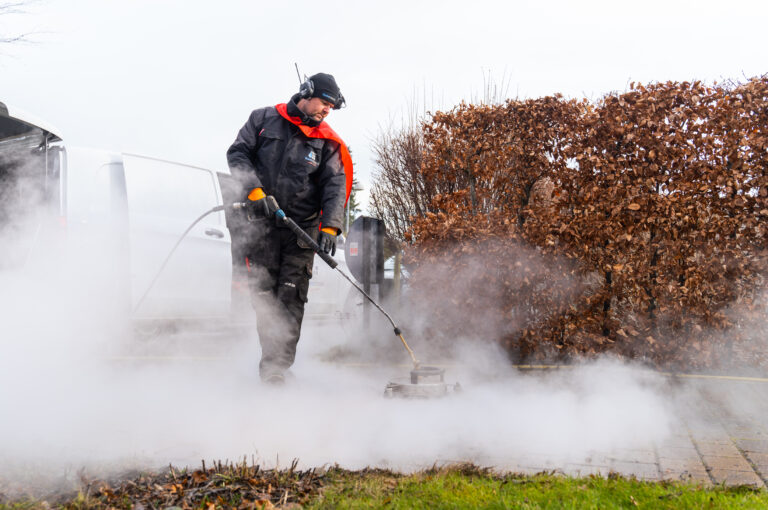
[[289, 152]]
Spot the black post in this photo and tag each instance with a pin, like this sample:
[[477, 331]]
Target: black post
[[367, 250], [364, 254]]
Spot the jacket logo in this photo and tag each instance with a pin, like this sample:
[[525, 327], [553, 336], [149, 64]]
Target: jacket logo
[[311, 157]]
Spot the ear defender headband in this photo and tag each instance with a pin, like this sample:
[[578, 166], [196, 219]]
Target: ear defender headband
[[307, 90]]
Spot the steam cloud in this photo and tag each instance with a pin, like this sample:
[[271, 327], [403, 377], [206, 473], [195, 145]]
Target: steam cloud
[[78, 391]]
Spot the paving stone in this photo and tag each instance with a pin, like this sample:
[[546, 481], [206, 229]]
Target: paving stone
[[696, 477], [679, 453], [676, 441], [710, 431], [646, 456], [732, 463], [594, 459], [754, 435], [758, 459], [732, 477], [710, 436], [743, 431], [760, 463], [753, 429], [681, 465], [640, 470], [753, 445], [718, 449]]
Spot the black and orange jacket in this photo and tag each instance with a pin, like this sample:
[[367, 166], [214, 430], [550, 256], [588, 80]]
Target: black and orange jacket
[[302, 167]]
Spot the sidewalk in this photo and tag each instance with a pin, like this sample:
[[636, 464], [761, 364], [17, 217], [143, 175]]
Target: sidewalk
[[721, 439], [725, 441]]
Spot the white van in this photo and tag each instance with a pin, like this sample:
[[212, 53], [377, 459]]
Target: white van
[[133, 208]]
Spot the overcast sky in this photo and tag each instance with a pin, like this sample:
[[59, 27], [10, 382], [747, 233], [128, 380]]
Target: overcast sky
[[177, 78]]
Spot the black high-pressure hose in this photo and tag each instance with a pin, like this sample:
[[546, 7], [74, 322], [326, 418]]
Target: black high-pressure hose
[[170, 254], [301, 234]]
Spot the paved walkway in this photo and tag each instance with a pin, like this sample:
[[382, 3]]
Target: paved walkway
[[726, 437], [722, 438]]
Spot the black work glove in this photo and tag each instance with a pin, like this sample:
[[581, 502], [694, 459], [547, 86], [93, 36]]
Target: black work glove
[[259, 208], [327, 240], [257, 203]]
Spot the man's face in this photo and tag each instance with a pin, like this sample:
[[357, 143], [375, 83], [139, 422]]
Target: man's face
[[315, 107]]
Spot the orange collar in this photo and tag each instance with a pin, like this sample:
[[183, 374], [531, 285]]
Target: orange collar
[[323, 131]]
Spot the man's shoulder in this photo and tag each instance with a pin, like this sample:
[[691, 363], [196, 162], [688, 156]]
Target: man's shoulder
[[265, 112], [331, 144]]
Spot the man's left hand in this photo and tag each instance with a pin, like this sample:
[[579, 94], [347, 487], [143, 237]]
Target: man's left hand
[[327, 240]]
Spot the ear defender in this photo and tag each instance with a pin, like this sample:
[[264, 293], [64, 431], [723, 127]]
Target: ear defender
[[341, 103], [306, 89]]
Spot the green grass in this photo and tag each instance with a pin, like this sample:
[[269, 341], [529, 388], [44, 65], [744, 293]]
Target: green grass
[[473, 488], [458, 487]]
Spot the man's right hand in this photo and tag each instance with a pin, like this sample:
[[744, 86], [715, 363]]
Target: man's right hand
[[259, 206]]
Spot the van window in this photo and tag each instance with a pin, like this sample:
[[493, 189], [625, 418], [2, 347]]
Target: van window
[[163, 189]]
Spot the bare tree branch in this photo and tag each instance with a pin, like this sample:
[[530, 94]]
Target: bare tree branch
[[17, 7]]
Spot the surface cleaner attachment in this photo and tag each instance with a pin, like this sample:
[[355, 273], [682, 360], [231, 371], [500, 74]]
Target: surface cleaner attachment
[[424, 382]]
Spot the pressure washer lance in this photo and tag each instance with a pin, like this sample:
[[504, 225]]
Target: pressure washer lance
[[301, 234], [424, 381]]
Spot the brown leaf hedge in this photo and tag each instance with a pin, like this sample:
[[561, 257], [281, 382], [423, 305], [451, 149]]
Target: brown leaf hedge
[[635, 224]]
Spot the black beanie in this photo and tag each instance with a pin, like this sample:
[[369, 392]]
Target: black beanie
[[326, 88]]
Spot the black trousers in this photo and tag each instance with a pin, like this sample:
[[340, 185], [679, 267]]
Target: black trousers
[[279, 270]]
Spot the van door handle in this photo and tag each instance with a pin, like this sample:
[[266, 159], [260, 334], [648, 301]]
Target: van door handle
[[214, 233]]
